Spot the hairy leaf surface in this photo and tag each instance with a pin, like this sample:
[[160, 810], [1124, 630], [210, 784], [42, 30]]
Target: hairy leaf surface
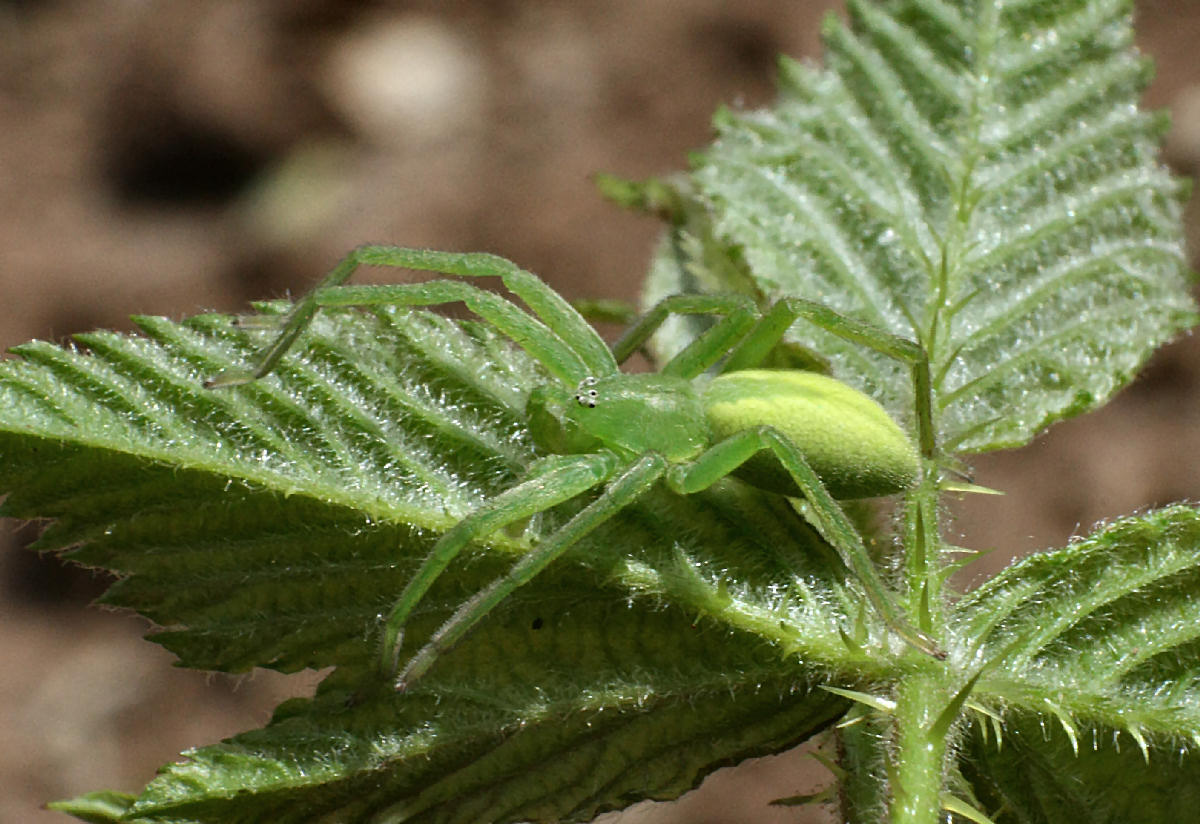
[[1105, 631], [270, 525], [1035, 776], [975, 176]]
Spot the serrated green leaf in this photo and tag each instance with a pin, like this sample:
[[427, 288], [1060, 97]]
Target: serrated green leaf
[[1104, 631], [104, 807], [1036, 777], [973, 176], [271, 525], [256, 552], [538, 746]]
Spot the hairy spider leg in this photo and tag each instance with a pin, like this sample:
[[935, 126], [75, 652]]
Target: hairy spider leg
[[622, 491], [549, 482], [707, 348], [723, 458], [735, 306], [568, 346], [527, 332]]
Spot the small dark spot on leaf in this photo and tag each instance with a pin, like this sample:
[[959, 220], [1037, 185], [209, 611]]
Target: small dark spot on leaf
[[537, 623]]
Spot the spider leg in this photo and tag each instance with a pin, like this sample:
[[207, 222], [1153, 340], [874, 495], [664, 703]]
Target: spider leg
[[606, 310], [623, 490], [526, 331], [636, 336], [550, 482], [724, 457], [565, 342]]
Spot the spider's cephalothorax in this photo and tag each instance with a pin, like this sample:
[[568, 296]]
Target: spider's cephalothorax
[[629, 414], [795, 433]]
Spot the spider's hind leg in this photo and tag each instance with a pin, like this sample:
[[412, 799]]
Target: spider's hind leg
[[830, 520]]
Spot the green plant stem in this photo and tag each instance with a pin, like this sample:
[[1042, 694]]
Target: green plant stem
[[919, 747], [919, 750]]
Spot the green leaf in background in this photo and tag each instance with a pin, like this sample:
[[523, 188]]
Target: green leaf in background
[[973, 175]]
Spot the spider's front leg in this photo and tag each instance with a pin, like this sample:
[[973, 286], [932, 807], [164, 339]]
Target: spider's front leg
[[549, 482], [554, 333], [625, 488]]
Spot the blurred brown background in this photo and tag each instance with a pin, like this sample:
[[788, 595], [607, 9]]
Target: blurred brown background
[[165, 158]]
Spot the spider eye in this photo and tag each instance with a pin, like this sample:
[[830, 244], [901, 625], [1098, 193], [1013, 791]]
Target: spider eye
[[585, 395]]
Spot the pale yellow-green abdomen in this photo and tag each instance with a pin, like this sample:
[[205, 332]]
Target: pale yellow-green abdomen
[[847, 438]]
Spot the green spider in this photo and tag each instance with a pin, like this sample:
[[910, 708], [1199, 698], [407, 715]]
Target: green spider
[[790, 432]]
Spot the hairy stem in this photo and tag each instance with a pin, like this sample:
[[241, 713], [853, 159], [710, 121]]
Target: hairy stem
[[919, 750]]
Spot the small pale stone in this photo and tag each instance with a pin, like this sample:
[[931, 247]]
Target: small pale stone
[[407, 78]]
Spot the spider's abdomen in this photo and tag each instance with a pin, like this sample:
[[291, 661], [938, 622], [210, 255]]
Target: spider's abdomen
[[847, 438]]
